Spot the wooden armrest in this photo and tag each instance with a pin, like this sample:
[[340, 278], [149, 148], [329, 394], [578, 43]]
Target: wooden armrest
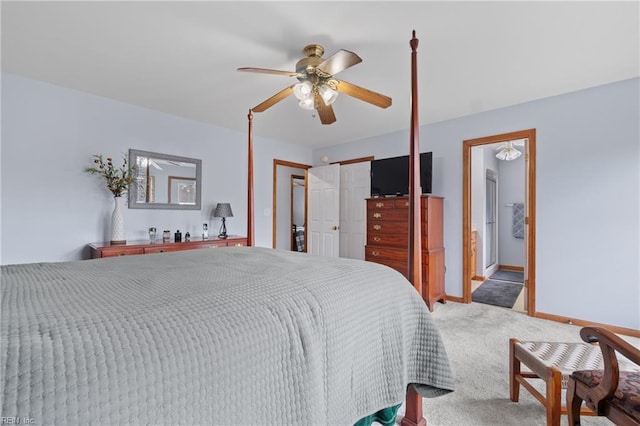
[[609, 345], [608, 339]]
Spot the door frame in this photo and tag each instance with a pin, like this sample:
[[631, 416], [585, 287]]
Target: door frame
[[274, 208], [530, 219]]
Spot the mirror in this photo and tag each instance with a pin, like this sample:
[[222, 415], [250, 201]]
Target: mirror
[[165, 181], [298, 213]]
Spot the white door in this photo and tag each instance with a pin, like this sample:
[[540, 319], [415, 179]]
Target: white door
[[323, 191], [355, 187]]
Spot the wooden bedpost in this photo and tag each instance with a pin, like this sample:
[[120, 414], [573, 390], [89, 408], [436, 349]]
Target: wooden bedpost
[[413, 406], [250, 226], [415, 190]]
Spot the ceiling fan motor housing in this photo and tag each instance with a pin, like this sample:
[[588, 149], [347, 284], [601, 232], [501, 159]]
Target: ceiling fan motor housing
[[307, 66]]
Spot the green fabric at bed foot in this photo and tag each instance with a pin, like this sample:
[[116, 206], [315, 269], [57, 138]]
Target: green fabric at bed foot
[[386, 417]]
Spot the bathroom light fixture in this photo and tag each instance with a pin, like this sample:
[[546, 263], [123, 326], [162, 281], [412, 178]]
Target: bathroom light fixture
[[508, 152]]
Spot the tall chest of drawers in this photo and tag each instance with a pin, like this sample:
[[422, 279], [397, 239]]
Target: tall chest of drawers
[[388, 240]]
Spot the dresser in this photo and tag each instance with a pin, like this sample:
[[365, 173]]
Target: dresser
[[388, 240], [145, 247]]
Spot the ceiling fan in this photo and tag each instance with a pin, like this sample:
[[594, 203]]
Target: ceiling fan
[[317, 87]]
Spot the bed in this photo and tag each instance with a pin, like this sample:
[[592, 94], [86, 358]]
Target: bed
[[240, 335]]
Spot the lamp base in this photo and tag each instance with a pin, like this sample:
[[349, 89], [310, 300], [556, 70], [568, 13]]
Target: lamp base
[[223, 230]]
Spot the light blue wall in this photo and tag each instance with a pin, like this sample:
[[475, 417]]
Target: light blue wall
[[588, 195], [51, 208]]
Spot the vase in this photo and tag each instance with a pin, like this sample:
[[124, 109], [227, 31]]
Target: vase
[[118, 231]]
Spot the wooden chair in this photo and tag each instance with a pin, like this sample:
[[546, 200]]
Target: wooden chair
[[609, 392]]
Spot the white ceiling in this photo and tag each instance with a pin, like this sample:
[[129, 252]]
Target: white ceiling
[[181, 58]]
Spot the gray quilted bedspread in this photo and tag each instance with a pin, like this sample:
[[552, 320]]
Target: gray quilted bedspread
[[239, 335]]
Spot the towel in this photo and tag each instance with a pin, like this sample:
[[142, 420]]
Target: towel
[[518, 220], [298, 235]]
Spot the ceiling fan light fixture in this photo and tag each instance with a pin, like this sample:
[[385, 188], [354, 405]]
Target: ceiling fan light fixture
[[308, 103], [303, 90], [327, 94]]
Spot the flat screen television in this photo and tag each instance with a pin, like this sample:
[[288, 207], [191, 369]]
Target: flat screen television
[[390, 176]]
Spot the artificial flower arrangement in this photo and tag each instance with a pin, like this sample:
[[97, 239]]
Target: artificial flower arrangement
[[118, 179]]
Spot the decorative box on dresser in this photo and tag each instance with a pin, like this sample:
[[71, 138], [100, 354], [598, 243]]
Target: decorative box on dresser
[[388, 240], [145, 247]]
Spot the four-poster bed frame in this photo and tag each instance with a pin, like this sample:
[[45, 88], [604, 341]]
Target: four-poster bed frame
[[413, 405]]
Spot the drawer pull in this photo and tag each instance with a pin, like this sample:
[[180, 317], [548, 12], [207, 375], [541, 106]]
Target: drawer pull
[[379, 204], [375, 253], [376, 238], [377, 227], [239, 244], [406, 204], [377, 215]]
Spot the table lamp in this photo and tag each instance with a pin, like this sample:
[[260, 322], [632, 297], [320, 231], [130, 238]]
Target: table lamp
[[223, 210]]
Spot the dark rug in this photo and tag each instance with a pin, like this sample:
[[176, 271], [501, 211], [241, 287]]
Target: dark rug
[[497, 293], [504, 275]]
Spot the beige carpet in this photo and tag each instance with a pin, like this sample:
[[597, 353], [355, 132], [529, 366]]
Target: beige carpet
[[477, 341]]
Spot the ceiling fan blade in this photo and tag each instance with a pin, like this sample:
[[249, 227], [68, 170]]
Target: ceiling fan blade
[[325, 112], [363, 94], [273, 100], [268, 71], [339, 61]]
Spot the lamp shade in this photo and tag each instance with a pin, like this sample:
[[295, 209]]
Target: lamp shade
[[303, 90], [308, 104], [223, 210], [327, 94]]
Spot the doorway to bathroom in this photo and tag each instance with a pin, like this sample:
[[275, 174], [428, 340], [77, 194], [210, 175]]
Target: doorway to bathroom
[[499, 229]]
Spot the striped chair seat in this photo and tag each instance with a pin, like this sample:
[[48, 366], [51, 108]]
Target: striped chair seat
[[566, 357]]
